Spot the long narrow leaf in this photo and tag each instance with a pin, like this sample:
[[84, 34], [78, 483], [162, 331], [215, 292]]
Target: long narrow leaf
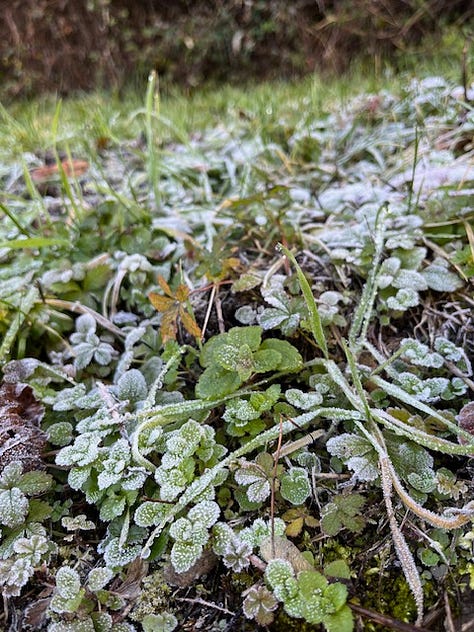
[[315, 319]]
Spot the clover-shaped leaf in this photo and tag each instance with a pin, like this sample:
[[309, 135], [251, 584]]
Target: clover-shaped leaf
[[295, 486], [343, 512]]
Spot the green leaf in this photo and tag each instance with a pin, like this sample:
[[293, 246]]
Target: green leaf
[[266, 360], [340, 621], [34, 242], [291, 359], [315, 319], [216, 382], [35, 482], [343, 512], [338, 568], [162, 622], [39, 510], [295, 486]]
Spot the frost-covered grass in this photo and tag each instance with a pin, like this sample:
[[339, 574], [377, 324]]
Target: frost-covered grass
[[236, 330]]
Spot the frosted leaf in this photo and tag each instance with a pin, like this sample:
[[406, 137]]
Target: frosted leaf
[[303, 400], [278, 572], [68, 582], [84, 451], [13, 507], [205, 513], [295, 486], [182, 529], [76, 523], [347, 444], [67, 398], [78, 476], [365, 469], [184, 555], [112, 507], [118, 555], [132, 386], [35, 482], [99, 577], [388, 270], [135, 262], [134, 336], [62, 604], [60, 433], [258, 604], [11, 475], [420, 354], [183, 443], [236, 554], [452, 353], [260, 530], [85, 323], [440, 278], [222, 534], [104, 353], [257, 492], [404, 299], [428, 390], [246, 315], [14, 574], [162, 622], [410, 279], [192, 431], [240, 409], [151, 513], [133, 478], [33, 548]]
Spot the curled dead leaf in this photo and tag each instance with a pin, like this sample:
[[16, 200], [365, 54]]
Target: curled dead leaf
[[282, 549], [465, 420]]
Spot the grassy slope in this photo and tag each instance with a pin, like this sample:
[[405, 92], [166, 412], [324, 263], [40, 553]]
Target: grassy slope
[[85, 120]]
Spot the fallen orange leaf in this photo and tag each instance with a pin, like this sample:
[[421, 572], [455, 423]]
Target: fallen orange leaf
[[70, 168]]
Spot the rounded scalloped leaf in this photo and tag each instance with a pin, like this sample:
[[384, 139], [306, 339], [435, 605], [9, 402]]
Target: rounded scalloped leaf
[[61, 604], [68, 582], [150, 513], [60, 433], [291, 359], [99, 577], [162, 622], [278, 572], [311, 583], [295, 486], [216, 382], [340, 621], [205, 513], [184, 555], [439, 278], [13, 507], [257, 492], [117, 555]]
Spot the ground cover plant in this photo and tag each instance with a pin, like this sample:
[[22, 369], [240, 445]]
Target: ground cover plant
[[237, 369]]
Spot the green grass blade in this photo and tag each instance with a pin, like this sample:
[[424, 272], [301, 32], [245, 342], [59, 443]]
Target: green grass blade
[[315, 319], [34, 242]]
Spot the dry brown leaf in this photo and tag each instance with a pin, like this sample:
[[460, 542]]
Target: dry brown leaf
[[20, 436], [282, 549], [71, 168]]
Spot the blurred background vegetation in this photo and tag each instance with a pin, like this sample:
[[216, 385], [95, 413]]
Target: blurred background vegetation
[[61, 46]]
